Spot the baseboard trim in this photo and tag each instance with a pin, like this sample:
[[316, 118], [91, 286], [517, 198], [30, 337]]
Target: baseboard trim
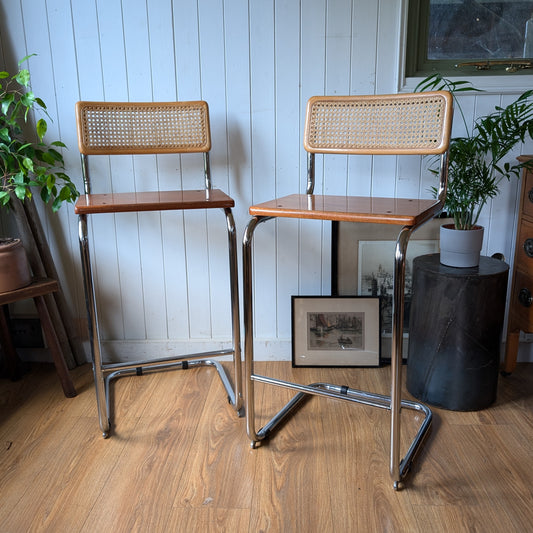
[[131, 350], [125, 351]]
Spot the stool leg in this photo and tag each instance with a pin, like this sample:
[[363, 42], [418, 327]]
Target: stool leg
[[248, 330], [396, 355], [55, 347], [94, 334], [235, 327], [11, 360]]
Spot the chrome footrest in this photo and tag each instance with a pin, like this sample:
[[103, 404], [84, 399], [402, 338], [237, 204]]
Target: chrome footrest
[[166, 364], [115, 371], [342, 392]]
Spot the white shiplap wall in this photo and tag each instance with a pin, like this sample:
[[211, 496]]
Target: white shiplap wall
[[162, 278]]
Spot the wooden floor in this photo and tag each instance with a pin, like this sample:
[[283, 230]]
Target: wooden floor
[[179, 460]]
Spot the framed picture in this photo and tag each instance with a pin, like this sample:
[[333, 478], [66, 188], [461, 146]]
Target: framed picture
[[335, 331], [363, 265]]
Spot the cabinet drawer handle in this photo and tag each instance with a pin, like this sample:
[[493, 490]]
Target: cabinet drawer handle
[[530, 195], [528, 247], [525, 298]]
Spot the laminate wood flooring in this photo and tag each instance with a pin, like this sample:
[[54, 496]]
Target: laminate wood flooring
[[179, 459]]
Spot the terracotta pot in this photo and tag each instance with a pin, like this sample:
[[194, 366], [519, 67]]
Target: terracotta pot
[[460, 248], [14, 268]]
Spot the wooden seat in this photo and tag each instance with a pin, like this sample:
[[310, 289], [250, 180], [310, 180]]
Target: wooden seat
[[402, 124], [126, 128], [37, 289], [152, 201], [398, 211]]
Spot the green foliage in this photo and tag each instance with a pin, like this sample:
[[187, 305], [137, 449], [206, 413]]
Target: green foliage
[[26, 161], [476, 161]]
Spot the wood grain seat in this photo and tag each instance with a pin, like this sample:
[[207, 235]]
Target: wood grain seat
[[401, 211], [152, 201]]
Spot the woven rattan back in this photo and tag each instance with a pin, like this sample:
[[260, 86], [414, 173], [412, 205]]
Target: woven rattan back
[[142, 128], [417, 123]]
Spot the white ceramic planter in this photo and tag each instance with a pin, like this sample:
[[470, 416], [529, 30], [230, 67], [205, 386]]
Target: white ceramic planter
[[460, 248]]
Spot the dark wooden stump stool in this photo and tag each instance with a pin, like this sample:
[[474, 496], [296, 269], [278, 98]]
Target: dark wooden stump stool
[[455, 332], [36, 290]]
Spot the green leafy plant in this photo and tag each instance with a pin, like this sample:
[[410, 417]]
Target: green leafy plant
[[477, 160], [26, 161]]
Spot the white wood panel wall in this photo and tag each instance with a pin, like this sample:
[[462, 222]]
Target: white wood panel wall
[[162, 278]]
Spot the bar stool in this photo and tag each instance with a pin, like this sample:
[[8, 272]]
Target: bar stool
[[400, 124], [125, 128]]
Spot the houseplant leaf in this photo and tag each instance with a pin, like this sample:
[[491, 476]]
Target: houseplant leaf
[[477, 162], [27, 162]]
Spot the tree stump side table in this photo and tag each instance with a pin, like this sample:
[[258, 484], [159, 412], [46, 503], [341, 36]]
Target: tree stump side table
[[455, 332]]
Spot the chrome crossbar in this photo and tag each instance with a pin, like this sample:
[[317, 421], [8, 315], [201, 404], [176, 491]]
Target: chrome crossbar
[[162, 360], [339, 392], [185, 364]]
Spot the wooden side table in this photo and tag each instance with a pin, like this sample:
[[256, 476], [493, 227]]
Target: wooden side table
[[36, 290], [521, 300]]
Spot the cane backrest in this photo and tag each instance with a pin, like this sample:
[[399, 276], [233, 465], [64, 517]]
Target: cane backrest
[[391, 124], [140, 128]]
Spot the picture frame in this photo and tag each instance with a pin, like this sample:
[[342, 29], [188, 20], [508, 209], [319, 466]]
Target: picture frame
[[357, 249], [341, 331]]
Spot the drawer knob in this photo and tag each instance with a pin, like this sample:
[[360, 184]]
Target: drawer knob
[[528, 247], [525, 298], [530, 195]]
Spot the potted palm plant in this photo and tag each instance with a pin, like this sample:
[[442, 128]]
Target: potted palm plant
[[27, 163], [477, 166]]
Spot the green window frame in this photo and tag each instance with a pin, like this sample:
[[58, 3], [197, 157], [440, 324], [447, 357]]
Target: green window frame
[[418, 38]]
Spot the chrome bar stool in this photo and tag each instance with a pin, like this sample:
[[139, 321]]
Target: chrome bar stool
[[119, 128], [400, 124]]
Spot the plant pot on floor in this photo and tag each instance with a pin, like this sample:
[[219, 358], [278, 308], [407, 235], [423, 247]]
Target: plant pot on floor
[[14, 267], [460, 248]]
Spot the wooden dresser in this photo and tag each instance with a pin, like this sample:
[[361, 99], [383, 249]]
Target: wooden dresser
[[521, 301]]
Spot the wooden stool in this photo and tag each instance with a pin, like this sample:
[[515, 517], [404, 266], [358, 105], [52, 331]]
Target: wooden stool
[[36, 290]]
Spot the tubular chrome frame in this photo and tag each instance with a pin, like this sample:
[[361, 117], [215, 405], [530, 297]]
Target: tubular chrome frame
[[331, 126], [105, 373], [399, 468]]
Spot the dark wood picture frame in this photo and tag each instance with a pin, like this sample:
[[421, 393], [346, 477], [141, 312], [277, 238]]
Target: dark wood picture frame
[[341, 331]]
